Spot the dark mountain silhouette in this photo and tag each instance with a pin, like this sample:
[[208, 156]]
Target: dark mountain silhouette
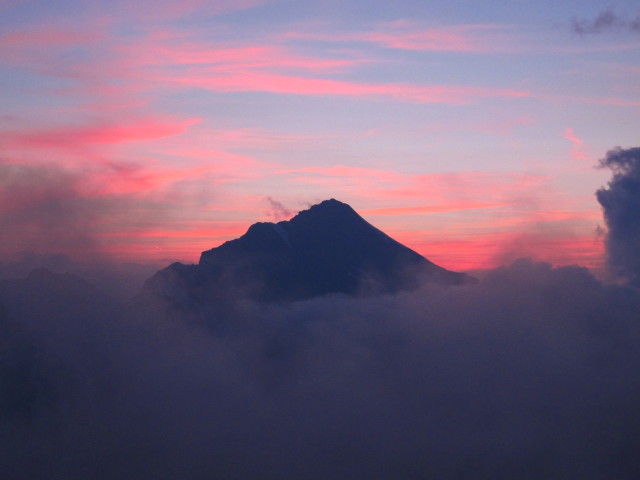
[[326, 249]]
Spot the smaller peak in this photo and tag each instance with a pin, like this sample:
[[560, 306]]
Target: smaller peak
[[41, 273], [259, 227], [44, 276]]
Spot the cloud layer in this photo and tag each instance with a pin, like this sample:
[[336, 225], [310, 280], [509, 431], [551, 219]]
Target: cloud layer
[[529, 374]]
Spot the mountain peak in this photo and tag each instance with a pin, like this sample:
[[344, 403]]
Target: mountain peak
[[331, 205], [327, 214], [327, 248]]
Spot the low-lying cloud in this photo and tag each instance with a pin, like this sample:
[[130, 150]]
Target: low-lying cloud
[[529, 374]]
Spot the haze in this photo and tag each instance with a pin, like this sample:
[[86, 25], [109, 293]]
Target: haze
[[497, 139]]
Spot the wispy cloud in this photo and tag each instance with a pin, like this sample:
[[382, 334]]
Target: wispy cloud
[[164, 60], [299, 85], [77, 144], [409, 35], [577, 145], [100, 134], [173, 62]]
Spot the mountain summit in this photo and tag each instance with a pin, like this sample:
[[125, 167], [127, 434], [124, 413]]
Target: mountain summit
[[328, 248]]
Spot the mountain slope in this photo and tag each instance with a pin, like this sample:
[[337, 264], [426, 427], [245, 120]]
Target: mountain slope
[[326, 249]]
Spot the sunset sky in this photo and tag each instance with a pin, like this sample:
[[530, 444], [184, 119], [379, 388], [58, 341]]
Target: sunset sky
[[469, 131]]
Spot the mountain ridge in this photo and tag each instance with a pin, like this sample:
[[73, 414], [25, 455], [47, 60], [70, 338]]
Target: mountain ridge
[[327, 248]]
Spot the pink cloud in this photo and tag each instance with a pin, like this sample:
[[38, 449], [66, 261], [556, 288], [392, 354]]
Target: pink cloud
[[407, 35], [170, 60], [133, 179], [577, 148], [174, 50], [106, 156], [101, 134], [456, 38], [216, 80]]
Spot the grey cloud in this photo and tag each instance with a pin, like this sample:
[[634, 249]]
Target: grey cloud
[[607, 20], [620, 202]]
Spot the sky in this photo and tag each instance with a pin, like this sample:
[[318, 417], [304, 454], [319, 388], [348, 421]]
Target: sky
[[469, 131]]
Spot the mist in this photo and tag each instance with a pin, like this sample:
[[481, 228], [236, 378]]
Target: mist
[[53, 216]]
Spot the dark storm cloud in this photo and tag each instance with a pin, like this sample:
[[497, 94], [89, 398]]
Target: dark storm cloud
[[532, 373], [605, 21], [621, 207]]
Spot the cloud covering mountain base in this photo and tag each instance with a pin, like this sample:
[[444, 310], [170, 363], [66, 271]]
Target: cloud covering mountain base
[[532, 373]]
